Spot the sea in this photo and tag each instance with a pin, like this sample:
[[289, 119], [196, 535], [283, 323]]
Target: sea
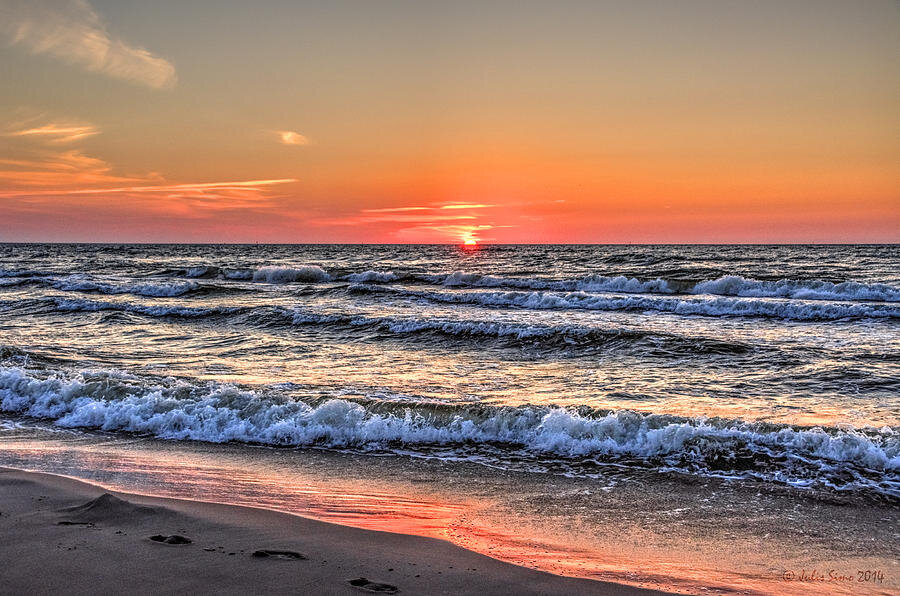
[[575, 375]]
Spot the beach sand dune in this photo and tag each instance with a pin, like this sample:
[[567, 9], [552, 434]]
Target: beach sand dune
[[62, 535]]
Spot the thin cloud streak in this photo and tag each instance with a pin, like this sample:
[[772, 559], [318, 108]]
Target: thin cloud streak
[[57, 133], [396, 209], [159, 188], [367, 219], [430, 208], [448, 233], [466, 206], [422, 223], [66, 169], [72, 31]]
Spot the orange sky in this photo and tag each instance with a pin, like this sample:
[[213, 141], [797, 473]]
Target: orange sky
[[504, 121]]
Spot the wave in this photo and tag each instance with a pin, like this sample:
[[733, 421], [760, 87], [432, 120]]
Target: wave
[[727, 285], [372, 277], [13, 282], [842, 458], [545, 336], [591, 283], [275, 274], [83, 284], [709, 307], [202, 271], [715, 307], [75, 305], [562, 337], [23, 273], [735, 285], [79, 284]]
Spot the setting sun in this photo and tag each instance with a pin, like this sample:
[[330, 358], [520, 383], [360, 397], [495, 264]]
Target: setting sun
[[470, 242]]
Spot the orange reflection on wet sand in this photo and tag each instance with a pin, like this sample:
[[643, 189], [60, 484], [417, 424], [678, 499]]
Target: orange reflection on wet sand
[[380, 500]]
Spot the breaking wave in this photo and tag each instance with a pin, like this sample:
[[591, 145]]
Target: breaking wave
[[727, 285], [710, 307], [79, 284], [735, 285], [842, 458], [274, 274], [372, 277]]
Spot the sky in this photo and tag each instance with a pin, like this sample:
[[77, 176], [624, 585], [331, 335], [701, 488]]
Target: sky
[[419, 121]]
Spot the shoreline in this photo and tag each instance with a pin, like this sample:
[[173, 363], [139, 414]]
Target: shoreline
[[103, 545]]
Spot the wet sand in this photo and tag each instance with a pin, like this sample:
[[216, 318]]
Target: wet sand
[[62, 535]]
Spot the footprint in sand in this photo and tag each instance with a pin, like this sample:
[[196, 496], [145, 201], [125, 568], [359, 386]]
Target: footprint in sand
[[374, 587], [287, 555], [173, 539], [66, 522]]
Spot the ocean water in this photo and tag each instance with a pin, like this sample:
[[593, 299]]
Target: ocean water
[[773, 365]]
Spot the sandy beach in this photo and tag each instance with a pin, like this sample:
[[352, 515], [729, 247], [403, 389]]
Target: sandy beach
[[62, 535]]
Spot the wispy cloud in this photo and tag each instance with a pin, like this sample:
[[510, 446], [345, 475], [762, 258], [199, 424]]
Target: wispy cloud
[[365, 218], [57, 133], [31, 157], [396, 209], [448, 222], [466, 206], [447, 233], [289, 137], [71, 30], [37, 174], [430, 208], [242, 186]]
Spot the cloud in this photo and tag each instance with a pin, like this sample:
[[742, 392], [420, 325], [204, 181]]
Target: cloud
[[30, 156], [71, 30], [430, 208], [289, 137], [466, 206], [36, 173], [56, 170], [423, 223], [193, 189], [396, 209], [446, 233], [57, 133]]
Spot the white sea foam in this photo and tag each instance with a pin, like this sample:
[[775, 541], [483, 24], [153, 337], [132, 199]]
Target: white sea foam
[[279, 275], [81, 284], [237, 274], [202, 271], [217, 413], [372, 277], [735, 285], [720, 306], [730, 285]]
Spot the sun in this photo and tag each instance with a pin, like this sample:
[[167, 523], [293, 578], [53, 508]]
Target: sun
[[470, 242]]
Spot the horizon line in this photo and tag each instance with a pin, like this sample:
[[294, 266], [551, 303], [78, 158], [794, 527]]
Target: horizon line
[[479, 245]]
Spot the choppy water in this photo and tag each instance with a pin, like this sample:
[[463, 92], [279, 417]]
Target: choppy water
[[776, 364]]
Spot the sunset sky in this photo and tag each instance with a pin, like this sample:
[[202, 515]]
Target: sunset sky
[[419, 121]]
